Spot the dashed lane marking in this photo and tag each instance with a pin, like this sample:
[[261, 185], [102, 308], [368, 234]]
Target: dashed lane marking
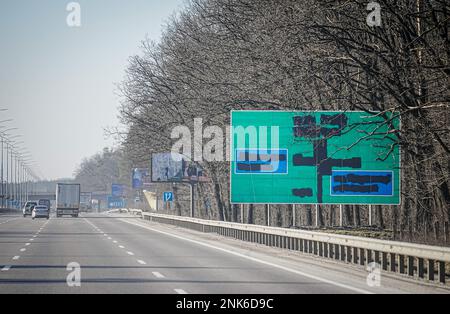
[[158, 275]]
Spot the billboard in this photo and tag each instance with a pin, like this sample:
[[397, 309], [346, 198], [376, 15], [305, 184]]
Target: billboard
[[118, 190], [166, 168], [141, 178], [314, 158], [85, 198]]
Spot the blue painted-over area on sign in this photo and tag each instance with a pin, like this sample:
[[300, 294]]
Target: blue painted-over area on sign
[[264, 161], [362, 183]]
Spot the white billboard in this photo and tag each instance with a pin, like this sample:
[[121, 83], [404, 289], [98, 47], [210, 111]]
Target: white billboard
[[169, 167]]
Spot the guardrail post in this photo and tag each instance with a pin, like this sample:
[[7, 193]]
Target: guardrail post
[[369, 256], [336, 252], [401, 264], [384, 261], [377, 257], [355, 255], [411, 266], [393, 263], [321, 249], [442, 272], [421, 268], [362, 257], [349, 254], [431, 270], [326, 251]]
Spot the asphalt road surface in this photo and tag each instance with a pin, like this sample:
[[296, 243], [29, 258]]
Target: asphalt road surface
[[122, 255]]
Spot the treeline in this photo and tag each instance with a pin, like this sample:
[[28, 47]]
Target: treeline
[[97, 173], [221, 55]]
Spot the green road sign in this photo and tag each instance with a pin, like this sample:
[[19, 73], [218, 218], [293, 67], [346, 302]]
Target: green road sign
[[314, 158]]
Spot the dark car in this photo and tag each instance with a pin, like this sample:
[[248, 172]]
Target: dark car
[[28, 208], [44, 202]]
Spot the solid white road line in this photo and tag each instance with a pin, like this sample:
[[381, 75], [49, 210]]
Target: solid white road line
[[6, 268], [158, 275], [180, 291], [254, 259]]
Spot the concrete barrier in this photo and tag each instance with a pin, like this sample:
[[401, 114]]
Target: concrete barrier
[[417, 261], [10, 211]]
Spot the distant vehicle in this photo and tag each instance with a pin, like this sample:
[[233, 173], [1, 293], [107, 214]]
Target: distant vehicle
[[47, 203], [68, 200], [28, 208], [40, 211]]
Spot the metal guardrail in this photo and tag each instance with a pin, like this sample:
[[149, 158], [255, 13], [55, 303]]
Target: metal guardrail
[[10, 210], [417, 261]]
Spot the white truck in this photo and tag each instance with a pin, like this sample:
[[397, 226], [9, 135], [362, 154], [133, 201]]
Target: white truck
[[68, 200]]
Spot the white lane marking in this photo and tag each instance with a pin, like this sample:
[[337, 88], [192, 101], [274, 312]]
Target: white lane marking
[[287, 269], [109, 238], [31, 240], [6, 268], [158, 275], [141, 262], [15, 258], [28, 244], [121, 246], [130, 253], [23, 250], [115, 242], [180, 291]]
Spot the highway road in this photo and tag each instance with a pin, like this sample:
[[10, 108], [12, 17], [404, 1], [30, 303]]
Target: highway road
[[123, 254]]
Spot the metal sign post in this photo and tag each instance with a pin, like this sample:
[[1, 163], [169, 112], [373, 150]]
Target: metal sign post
[[192, 184], [294, 216]]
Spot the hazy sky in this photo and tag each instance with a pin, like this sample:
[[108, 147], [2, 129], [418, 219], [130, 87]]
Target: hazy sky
[[59, 82]]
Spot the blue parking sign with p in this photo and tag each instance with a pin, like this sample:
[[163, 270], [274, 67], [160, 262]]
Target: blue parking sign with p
[[168, 197]]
